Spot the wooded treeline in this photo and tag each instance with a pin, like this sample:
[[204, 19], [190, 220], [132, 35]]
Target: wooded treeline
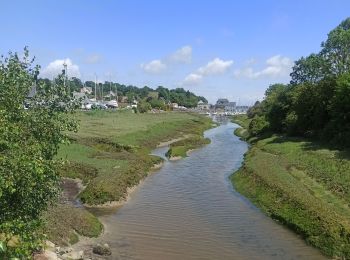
[[316, 102], [178, 95]]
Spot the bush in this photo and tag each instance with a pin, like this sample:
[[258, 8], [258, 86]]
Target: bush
[[143, 106], [258, 126], [29, 140]]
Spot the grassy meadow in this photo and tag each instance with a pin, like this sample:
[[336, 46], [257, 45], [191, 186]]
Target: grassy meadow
[[110, 153], [302, 184]]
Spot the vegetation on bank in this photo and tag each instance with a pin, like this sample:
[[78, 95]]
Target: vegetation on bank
[[243, 121], [180, 148], [110, 152], [65, 223], [29, 140], [304, 183]]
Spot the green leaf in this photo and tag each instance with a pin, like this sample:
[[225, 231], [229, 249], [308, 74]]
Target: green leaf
[[2, 247]]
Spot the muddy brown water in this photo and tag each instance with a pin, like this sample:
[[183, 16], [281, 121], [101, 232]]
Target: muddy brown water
[[189, 210]]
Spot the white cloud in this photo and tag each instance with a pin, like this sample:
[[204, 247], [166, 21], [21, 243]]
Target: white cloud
[[245, 72], [276, 66], [55, 68], [154, 67], [193, 79], [93, 58], [215, 67], [183, 55]]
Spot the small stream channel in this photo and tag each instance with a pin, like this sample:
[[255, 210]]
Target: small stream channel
[[189, 210]]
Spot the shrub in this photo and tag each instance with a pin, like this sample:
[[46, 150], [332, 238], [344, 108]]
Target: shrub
[[258, 126], [29, 140]]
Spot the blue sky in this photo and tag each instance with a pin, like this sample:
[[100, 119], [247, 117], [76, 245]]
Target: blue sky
[[232, 49]]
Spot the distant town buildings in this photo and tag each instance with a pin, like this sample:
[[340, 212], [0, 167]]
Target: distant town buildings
[[223, 105], [230, 107], [80, 95], [203, 106], [242, 109]]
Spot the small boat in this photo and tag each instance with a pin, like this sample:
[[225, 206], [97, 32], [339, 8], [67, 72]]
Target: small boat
[[112, 104]]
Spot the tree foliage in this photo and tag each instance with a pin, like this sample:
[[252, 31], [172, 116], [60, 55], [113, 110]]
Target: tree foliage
[[316, 102], [30, 133], [179, 95]]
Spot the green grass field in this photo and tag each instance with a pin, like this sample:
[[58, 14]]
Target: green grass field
[[304, 185], [110, 153]]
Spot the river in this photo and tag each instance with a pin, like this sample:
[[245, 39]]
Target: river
[[189, 210]]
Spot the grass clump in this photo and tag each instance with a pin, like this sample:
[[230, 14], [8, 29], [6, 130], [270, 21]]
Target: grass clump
[[77, 170], [181, 147], [244, 122], [65, 222]]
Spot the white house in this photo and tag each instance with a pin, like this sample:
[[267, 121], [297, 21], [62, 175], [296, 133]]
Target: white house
[[230, 107], [203, 106]]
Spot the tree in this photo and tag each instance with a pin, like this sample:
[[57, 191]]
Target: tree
[[336, 49], [310, 69], [276, 105], [316, 103], [75, 84], [29, 140], [256, 110], [164, 93], [258, 126], [156, 103], [338, 128], [143, 106]]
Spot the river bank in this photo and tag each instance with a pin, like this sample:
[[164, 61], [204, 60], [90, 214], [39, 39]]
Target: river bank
[[111, 155], [188, 210], [301, 184]]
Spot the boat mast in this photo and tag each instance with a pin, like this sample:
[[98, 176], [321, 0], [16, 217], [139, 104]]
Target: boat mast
[[116, 92], [101, 91], [95, 86]]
